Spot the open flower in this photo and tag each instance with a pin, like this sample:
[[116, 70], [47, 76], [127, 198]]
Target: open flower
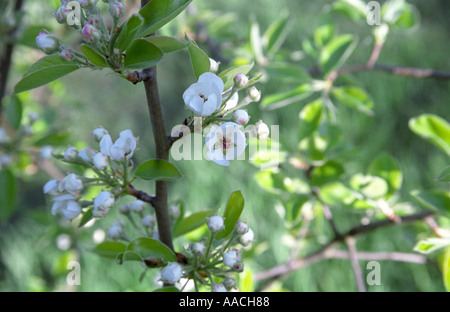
[[205, 96], [67, 205], [123, 147], [71, 183], [225, 142], [102, 203]]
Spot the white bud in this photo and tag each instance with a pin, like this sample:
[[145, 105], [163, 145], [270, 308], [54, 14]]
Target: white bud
[[198, 249], [231, 258], [171, 273], [241, 227], [33, 116], [240, 81], [254, 94], [67, 205], [247, 238], [51, 188], [71, 183], [71, 153], [148, 221], [262, 130], [214, 66], [100, 161], [116, 229], [241, 117], [124, 209], [102, 203], [218, 288], [87, 154], [5, 160], [98, 133], [3, 136], [216, 224], [137, 205], [47, 42]]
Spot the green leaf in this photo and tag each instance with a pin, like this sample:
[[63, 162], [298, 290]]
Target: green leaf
[[432, 128], [370, 186], [142, 54], [354, 97], [110, 249], [168, 44], [279, 100], [336, 52], [45, 70], [87, 216], [8, 192], [354, 9], [329, 172], [431, 245], [323, 34], [93, 56], [445, 175], [192, 222], [400, 14], [256, 41], [157, 169], [438, 201], [387, 167], [199, 59], [229, 74], [129, 32], [287, 72], [336, 193], [157, 13], [149, 248], [276, 34], [52, 138], [13, 111], [232, 213], [310, 117], [446, 268]]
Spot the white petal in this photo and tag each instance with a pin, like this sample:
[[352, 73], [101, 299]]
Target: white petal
[[105, 145]]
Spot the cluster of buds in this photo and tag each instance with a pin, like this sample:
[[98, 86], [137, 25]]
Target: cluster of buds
[[227, 138], [111, 164], [146, 220], [210, 257]]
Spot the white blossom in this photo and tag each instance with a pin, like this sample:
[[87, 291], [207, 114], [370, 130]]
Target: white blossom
[[98, 133], [123, 147], [116, 229], [171, 273], [232, 102], [100, 161], [102, 203], [148, 221], [71, 183], [87, 154], [205, 96], [225, 142], [216, 224], [71, 153], [67, 205], [51, 188]]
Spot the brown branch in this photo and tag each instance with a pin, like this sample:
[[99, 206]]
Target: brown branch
[[141, 195], [396, 70], [353, 256]]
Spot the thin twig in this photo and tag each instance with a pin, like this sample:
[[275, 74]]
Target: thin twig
[[353, 256]]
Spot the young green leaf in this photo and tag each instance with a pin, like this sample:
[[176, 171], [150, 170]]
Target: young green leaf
[[323, 34], [387, 167], [191, 222], [157, 169], [8, 192], [229, 74], [430, 245], [354, 9], [199, 59], [329, 172], [432, 128], [232, 213], [336, 52], [93, 56], [142, 54], [129, 32], [157, 13], [168, 44], [87, 216], [276, 34], [279, 100], [310, 117], [256, 41], [149, 248], [354, 97], [438, 201], [110, 249], [45, 70]]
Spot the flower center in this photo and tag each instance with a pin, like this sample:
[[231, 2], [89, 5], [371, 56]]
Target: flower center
[[203, 97]]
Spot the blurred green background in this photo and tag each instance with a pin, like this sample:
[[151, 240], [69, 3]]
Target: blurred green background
[[30, 259]]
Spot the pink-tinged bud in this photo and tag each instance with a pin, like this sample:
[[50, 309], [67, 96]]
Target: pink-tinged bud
[[100, 161], [262, 130], [254, 94], [240, 81], [198, 249], [216, 224], [229, 283], [71, 153], [117, 9], [67, 55], [232, 258], [241, 227], [171, 273], [218, 288], [87, 3], [61, 14], [241, 117], [47, 42], [98, 134], [90, 33]]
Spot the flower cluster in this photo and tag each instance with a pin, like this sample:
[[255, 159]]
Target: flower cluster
[[226, 137], [211, 259], [111, 164], [86, 19]]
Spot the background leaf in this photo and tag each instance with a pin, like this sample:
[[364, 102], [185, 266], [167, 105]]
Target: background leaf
[[336, 52], [386, 167], [13, 109], [232, 213], [110, 249], [354, 97], [157, 169], [432, 128], [168, 44], [437, 201]]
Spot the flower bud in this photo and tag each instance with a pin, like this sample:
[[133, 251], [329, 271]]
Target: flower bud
[[124, 209], [87, 3], [100, 161], [262, 130], [171, 273], [46, 152], [51, 188], [47, 42], [67, 205], [102, 203], [214, 66], [247, 238], [240, 81], [216, 224], [174, 211], [116, 229], [87, 154], [254, 94], [241, 117], [148, 221], [117, 9], [198, 249], [241, 227], [61, 14], [229, 283], [137, 205], [90, 33], [218, 288], [71, 183], [71, 153], [98, 133], [231, 258], [67, 55]]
